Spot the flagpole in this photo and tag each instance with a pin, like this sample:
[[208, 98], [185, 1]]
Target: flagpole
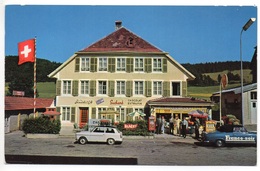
[[34, 82]]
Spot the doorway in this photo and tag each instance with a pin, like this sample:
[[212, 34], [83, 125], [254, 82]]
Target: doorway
[[83, 120]]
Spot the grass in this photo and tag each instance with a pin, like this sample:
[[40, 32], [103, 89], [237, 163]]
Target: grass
[[45, 89], [206, 92]]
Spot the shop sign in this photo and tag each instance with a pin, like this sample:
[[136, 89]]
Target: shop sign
[[79, 101], [116, 102], [99, 101], [130, 126], [134, 101]]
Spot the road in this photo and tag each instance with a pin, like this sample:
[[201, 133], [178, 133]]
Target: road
[[161, 150]]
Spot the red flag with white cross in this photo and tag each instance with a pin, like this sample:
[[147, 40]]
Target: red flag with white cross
[[26, 51]]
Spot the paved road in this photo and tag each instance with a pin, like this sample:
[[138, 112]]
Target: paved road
[[161, 150]]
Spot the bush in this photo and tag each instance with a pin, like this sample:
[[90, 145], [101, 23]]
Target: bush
[[41, 125], [141, 130]]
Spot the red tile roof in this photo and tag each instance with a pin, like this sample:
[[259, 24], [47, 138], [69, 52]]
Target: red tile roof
[[25, 103], [121, 40]]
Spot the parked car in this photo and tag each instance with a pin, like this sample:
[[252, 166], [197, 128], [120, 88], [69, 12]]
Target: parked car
[[107, 134], [229, 134]]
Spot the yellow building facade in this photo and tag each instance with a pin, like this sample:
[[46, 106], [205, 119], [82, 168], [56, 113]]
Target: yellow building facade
[[115, 76]]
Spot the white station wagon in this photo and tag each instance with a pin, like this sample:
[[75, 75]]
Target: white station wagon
[[108, 134]]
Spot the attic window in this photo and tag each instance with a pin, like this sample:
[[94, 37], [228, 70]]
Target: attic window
[[130, 42]]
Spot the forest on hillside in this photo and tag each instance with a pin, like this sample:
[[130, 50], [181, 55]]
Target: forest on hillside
[[15, 73]]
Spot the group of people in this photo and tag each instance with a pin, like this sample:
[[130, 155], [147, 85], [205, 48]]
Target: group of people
[[176, 126]]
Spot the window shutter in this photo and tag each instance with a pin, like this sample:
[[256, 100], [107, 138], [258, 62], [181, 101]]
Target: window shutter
[[93, 64], [75, 88], [93, 113], [111, 64], [73, 111], [92, 88], [166, 89], [184, 88], [148, 65], [148, 88], [58, 87], [129, 88], [164, 65], [58, 110], [111, 88], [129, 65], [77, 60]]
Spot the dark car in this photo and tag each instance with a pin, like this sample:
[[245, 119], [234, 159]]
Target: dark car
[[229, 134]]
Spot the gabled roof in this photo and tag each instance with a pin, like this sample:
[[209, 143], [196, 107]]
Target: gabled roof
[[25, 103], [121, 40]]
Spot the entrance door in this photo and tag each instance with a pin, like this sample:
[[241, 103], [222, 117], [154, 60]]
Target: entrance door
[[83, 117]]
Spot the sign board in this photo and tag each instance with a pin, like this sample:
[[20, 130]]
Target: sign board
[[95, 122], [130, 126], [224, 81], [18, 93]]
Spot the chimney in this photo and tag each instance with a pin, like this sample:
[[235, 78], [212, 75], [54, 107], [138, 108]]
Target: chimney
[[118, 24]]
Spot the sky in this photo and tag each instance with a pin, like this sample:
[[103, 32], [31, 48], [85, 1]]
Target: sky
[[190, 34]]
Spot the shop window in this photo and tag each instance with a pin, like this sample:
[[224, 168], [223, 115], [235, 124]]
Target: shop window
[[253, 95]]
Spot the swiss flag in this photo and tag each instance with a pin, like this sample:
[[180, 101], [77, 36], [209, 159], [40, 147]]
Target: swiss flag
[[26, 51]]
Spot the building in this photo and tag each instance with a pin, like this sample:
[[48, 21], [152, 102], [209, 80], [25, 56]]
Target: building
[[231, 103], [115, 76]]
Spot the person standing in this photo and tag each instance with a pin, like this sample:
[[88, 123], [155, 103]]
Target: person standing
[[176, 124], [171, 125], [158, 125], [184, 127], [163, 124], [197, 125]]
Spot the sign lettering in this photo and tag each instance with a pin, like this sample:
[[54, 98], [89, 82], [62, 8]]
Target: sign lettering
[[130, 126]]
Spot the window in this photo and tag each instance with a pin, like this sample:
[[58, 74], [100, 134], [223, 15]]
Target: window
[[85, 64], [102, 87], [139, 64], [253, 95], [84, 87], [99, 113], [122, 112], [139, 87], [120, 87], [157, 88], [157, 64], [121, 65], [66, 87], [65, 113], [176, 89], [102, 64]]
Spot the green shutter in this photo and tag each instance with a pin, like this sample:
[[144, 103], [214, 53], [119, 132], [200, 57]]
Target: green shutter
[[148, 88], [166, 89], [93, 64], [111, 88], [93, 113], [92, 88], [129, 88], [184, 88], [77, 64], [58, 110], [111, 64], [72, 115], [58, 88], [75, 88], [129, 65], [148, 65], [164, 65]]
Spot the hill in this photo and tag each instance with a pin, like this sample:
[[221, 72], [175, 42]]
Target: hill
[[14, 71]]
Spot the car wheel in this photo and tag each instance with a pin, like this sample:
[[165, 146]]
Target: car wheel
[[83, 140], [220, 143], [110, 141]]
